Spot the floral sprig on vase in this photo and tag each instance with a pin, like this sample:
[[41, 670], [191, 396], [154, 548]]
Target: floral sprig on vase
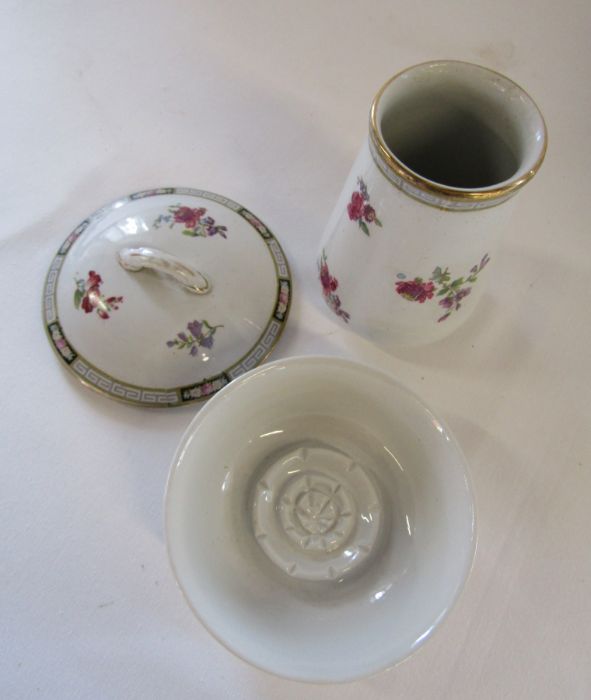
[[360, 210], [441, 284], [330, 285], [416, 290], [89, 298], [194, 221], [200, 336]]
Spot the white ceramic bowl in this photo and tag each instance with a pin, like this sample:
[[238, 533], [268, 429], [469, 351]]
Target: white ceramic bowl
[[319, 519]]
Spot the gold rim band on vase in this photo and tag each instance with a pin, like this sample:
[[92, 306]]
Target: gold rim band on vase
[[422, 184]]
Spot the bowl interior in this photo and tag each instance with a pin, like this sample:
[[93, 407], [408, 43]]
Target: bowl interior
[[319, 519]]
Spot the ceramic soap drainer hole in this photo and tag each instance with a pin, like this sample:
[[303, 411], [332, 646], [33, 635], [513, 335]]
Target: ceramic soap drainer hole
[[316, 513]]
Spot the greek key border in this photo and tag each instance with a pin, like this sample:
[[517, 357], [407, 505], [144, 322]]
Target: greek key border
[[427, 197]]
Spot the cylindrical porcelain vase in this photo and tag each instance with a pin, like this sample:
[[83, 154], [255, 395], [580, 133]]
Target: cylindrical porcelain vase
[[411, 242]]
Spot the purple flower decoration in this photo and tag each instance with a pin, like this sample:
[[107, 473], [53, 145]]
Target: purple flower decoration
[[194, 221], [194, 328], [451, 292], [452, 302], [201, 335], [363, 189]]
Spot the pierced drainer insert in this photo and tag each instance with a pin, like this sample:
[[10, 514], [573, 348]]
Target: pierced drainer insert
[[316, 513]]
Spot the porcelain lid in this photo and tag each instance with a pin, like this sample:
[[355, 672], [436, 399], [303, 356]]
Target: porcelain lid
[[163, 297]]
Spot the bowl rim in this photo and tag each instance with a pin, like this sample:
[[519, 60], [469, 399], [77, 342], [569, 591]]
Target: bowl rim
[[211, 405]]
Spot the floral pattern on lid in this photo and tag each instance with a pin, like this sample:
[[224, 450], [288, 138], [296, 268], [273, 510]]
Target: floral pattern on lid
[[88, 296], [194, 221], [200, 335], [124, 353]]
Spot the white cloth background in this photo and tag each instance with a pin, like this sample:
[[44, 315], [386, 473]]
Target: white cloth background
[[267, 103]]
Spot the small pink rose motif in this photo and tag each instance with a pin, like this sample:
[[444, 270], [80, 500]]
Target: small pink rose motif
[[206, 389], [416, 290], [360, 210], [329, 283], [355, 206], [329, 286], [282, 300], [60, 343], [369, 213], [88, 296], [261, 228], [189, 217]]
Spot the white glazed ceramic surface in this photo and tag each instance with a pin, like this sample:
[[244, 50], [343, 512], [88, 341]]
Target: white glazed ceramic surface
[[404, 258], [319, 519], [207, 301]]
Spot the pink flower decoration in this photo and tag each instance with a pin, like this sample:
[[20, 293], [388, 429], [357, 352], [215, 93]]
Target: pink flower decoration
[[189, 217], [356, 206], [415, 290]]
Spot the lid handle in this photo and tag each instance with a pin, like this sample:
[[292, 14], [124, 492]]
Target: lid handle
[[135, 259]]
